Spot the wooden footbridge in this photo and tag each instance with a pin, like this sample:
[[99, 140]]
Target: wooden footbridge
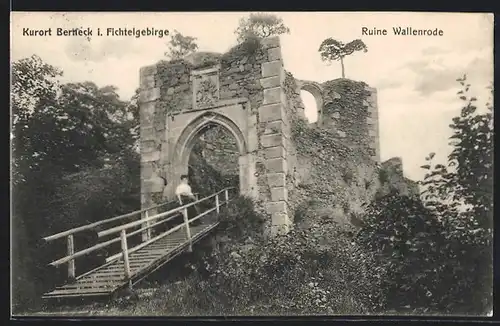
[[132, 264]]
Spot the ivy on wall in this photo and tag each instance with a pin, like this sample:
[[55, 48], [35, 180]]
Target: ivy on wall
[[350, 108]]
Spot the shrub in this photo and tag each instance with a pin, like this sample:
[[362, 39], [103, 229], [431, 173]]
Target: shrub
[[308, 271], [431, 264], [239, 220], [313, 270]]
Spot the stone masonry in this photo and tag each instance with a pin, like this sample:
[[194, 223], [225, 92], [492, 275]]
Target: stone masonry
[[273, 141], [239, 91], [245, 92]]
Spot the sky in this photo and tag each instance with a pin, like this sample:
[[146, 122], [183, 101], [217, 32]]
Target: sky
[[415, 76]]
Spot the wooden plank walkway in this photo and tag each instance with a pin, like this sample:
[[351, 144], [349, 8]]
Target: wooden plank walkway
[[108, 278]]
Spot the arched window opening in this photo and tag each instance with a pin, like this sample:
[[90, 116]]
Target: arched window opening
[[310, 106]]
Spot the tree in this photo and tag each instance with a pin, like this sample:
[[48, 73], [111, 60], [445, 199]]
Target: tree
[[333, 50], [180, 46], [260, 25], [467, 180], [72, 146], [441, 247], [33, 83], [461, 194]]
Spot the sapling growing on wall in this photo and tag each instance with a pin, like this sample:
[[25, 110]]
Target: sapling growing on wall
[[180, 46], [333, 50], [260, 25]]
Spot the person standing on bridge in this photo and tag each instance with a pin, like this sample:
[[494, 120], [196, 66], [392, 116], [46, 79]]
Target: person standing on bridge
[[186, 196]]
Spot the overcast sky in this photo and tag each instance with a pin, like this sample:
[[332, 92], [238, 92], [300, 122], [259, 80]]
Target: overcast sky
[[415, 75]]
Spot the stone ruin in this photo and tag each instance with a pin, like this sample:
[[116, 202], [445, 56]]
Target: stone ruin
[[248, 92]]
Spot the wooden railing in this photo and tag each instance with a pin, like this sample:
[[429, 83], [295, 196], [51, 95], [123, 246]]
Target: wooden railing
[[122, 229]]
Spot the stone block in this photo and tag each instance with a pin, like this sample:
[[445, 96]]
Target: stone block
[[272, 140], [272, 68], [274, 152], [271, 112], [147, 108], [274, 53], [279, 194], [147, 133], [152, 185], [150, 157], [146, 170], [276, 165], [146, 112], [373, 115], [276, 179], [252, 120], [280, 219], [370, 121], [279, 229], [147, 146], [226, 94], [147, 71], [276, 207], [274, 95], [253, 139], [270, 42], [147, 81], [149, 95], [366, 103], [145, 200], [274, 127], [271, 82]]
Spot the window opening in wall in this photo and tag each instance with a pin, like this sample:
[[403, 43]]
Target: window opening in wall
[[310, 106]]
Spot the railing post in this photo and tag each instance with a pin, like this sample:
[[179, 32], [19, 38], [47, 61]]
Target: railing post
[[71, 263], [226, 194], [126, 264], [217, 203], [146, 235], [188, 231]]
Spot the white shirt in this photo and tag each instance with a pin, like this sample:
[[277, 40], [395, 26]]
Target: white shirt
[[183, 189]]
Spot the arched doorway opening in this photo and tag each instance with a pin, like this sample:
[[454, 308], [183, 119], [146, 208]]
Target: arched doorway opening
[[211, 147], [213, 163]]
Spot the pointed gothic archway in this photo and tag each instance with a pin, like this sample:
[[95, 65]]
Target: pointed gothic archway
[[178, 158]]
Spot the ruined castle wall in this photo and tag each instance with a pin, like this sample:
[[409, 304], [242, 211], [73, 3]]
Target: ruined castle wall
[[338, 166], [350, 108], [333, 174], [288, 162], [392, 178], [251, 73]]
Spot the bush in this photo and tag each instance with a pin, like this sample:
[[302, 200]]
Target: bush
[[433, 267], [238, 220], [316, 270], [313, 270]]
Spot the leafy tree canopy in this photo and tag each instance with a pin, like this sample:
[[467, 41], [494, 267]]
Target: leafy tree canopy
[[333, 50], [180, 46], [260, 25]]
